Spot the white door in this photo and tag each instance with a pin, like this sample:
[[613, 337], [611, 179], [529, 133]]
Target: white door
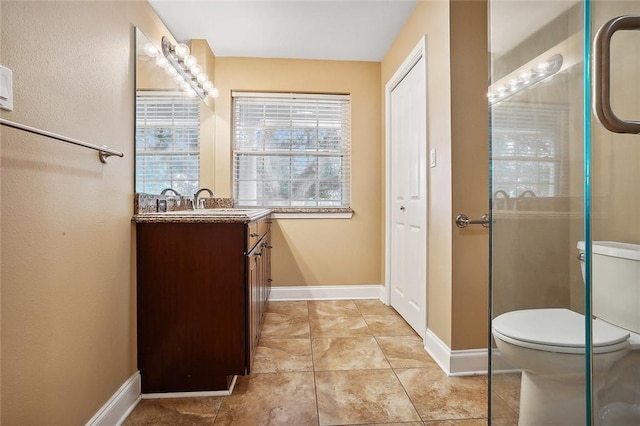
[[408, 195]]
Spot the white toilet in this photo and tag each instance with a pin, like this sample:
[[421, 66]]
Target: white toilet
[[548, 344]]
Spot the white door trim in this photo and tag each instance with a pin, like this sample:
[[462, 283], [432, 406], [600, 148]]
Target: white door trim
[[418, 52]]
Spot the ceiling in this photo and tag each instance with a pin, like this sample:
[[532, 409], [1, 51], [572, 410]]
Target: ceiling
[[348, 30], [512, 21]]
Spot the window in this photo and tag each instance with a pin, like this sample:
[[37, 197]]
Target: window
[[529, 149], [291, 150], [167, 142]]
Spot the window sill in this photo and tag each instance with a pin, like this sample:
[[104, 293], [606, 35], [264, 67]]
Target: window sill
[[311, 213]]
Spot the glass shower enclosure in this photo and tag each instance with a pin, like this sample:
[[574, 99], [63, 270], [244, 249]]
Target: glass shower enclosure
[[564, 103]]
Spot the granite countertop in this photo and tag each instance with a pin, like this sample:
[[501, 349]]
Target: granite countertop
[[220, 215]]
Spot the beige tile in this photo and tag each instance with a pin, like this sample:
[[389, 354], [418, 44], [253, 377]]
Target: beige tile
[[363, 396], [343, 308], [505, 422], [292, 309], [468, 422], [396, 424], [347, 353], [338, 326], [279, 355], [405, 351], [175, 411], [507, 387], [284, 326], [271, 399], [501, 410], [438, 397], [388, 325], [374, 307]]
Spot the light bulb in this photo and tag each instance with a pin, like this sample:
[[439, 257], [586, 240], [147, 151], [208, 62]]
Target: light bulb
[[208, 86], [181, 50], [213, 92], [525, 76], [196, 69], [542, 66], [161, 61], [171, 71], [151, 50], [202, 78], [190, 61]]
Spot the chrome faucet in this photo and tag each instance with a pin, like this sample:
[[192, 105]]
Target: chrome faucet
[[164, 191], [499, 192], [196, 204], [501, 203]]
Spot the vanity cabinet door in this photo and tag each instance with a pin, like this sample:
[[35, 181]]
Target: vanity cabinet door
[[191, 303], [254, 285], [266, 254]]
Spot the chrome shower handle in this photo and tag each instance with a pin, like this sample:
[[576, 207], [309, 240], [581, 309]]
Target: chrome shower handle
[[602, 74]]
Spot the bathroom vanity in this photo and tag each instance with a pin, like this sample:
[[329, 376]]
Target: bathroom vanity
[[203, 281]]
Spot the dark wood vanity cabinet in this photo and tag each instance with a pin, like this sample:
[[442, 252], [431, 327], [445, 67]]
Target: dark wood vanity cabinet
[[201, 295], [259, 283]]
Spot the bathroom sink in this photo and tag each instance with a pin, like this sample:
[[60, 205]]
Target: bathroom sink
[[223, 215], [213, 212]]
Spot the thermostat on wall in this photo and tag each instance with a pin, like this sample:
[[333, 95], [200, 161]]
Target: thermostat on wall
[[6, 88]]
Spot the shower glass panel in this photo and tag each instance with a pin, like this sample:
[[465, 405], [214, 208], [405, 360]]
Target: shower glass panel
[[537, 158], [559, 179], [615, 203]]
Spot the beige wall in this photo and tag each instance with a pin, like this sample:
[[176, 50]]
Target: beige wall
[[317, 251], [470, 172], [457, 129], [67, 313]]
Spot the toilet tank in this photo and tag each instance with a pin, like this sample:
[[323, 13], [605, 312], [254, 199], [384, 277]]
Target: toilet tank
[[615, 283]]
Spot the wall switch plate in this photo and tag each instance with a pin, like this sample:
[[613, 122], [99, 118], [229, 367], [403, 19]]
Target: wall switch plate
[[6, 89], [433, 158]]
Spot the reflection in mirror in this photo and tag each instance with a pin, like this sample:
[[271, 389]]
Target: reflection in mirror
[[171, 126], [530, 123]]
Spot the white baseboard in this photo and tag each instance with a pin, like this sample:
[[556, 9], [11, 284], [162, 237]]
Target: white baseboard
[[330, 292], [470, 362], [191, 394], [120, 405]]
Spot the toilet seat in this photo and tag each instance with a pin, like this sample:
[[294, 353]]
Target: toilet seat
[[557, 330]]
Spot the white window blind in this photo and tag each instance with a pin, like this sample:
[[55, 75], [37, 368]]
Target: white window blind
[[291, 150], [167, 142], [529, 149]]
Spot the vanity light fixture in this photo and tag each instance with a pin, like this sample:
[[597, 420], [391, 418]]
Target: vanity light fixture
[[178, 62], [522, 79]]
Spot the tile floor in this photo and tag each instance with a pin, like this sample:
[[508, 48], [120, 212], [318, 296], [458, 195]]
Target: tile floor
[[347, 362]]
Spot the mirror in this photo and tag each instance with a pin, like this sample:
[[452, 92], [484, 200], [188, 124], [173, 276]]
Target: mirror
[[173, 128]]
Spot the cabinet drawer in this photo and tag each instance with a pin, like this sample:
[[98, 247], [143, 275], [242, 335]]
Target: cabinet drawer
[[253, 235], [263, 227], [255, 232]]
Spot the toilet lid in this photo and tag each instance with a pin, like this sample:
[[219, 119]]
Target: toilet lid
[[557, 330]]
